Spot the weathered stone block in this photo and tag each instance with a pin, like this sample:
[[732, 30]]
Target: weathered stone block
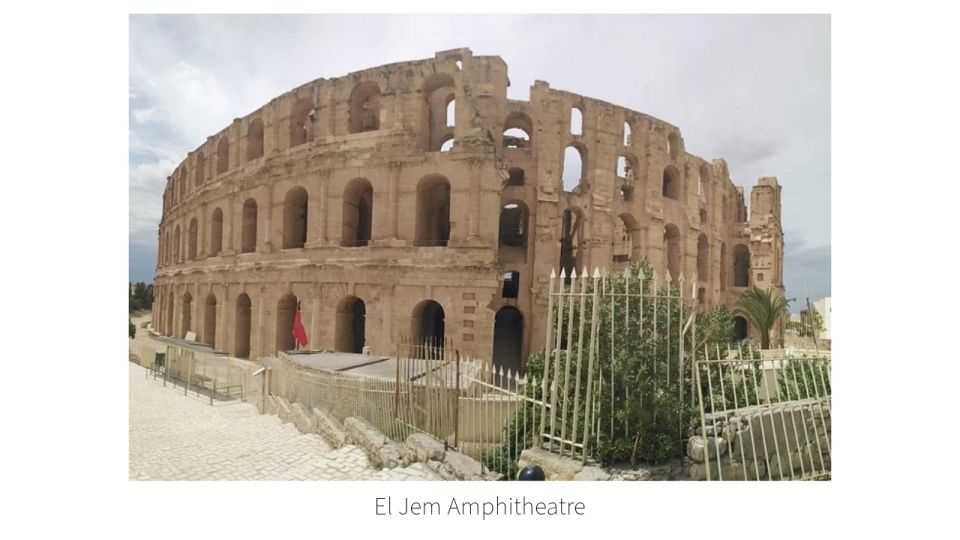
[[554, 466], [301, 419], [698, 446], [381, 451], [329, 428], [422, 447]]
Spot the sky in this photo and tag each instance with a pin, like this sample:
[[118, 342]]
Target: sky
[[754, 90]]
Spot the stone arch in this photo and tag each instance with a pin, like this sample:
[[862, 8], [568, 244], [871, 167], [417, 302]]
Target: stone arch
[[517, 130], [176, 244], [576, 120], [186, 315], [438, 91], [705, 179], [703, 216], [223, 155], [365, 107], [170, 300], [703, 258], [428, 326], [513, 231], [508, 339], [192, 238], [741, 266], [672, 245], [741, 328], [301, 121], [357, 213], [248, 232], [241, 329], [433, 211], [216, 232], [625, 238], [351, 325], [574, 167], [451, 116], [295, 218], [627, 133], [210, 320], [571, 236], [286, 309], [199, 172], [446, 143], [672, 183], [627, 165], [254, 139]]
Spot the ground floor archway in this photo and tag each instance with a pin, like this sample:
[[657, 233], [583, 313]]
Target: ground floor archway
[[508, 339], [351, 325]]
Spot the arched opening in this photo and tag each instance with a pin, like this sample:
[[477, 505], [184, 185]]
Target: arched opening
[[512, 235], [671, 240], [438, 92], [452, 113], [447, 144], [186, 316], [672, 188], [357, 213], [301, 122], [433, 212], [741, 266], [511, 284], [365, 107], [210, 320], [574, 168], [570, 237], [255, 139], [176, 244], [626, 165], [703, 216], [286, 309], [192, 240], [295, 218], [216, 232], [241, 334], [627, 134], [673, 145], [516, 131], [703, 258], [740, 328], [516, 177], [624, 245], [351, 325], [508, 339], [428, 329], [199, 170], [223, 155], [723, 266], [248, 234], [576, 121], [703, 179]]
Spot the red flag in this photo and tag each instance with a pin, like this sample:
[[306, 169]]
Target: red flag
[[299, 332]]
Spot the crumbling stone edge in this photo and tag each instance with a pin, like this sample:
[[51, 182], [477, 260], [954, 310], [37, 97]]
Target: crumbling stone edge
[[380, 449]]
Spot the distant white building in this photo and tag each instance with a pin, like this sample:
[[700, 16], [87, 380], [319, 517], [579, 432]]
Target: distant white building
[[823, 308]]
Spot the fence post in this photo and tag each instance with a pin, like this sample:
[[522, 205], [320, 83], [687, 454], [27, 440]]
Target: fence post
[[456, 405], [546, 360], [588, 411]]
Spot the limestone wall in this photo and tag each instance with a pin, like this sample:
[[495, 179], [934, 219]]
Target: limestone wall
[[385, 127]]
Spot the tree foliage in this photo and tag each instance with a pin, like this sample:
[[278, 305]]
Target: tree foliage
[[645, 410], [763, 308], [141, 296]]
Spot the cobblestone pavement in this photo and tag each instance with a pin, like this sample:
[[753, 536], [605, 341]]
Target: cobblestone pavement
[[177, 437]]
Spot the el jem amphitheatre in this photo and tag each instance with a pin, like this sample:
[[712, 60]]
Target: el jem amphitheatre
[[415, 200], [391, 271]]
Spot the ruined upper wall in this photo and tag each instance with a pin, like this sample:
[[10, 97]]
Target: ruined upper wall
[[478, 86]]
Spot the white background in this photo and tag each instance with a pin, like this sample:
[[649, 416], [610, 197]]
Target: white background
[[64, 231]]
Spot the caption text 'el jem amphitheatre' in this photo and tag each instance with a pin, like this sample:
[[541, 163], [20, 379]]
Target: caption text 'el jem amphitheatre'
[[416, 200]]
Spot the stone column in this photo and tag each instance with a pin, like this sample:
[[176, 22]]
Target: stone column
[[202, 233], [314, 336], [396, 169], [266, 239], [324, 205], [476, 170]]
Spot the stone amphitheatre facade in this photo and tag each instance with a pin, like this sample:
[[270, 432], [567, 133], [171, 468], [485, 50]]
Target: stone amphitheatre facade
[[416, 200]]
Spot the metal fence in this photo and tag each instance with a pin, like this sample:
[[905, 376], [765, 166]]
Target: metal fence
[[585, 375], [217, 378], [764, 415]]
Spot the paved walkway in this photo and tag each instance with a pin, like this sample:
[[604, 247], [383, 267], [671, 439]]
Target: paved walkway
[[177, 437]]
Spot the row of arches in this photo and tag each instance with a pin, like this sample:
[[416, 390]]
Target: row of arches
[[428, 325], [432, 221]]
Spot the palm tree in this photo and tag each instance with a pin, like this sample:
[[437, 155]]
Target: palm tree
[[763, 308]]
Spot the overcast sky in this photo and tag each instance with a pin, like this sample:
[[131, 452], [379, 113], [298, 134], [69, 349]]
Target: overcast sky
[[754, 90]]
